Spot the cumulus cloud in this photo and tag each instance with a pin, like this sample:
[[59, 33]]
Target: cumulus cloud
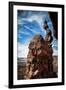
[[22, 50], [55, 52]]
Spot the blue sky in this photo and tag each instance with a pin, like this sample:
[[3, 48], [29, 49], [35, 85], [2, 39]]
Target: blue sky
[[30, 23]]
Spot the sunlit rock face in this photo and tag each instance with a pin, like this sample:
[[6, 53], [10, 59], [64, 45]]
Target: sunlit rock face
[[39, 59]]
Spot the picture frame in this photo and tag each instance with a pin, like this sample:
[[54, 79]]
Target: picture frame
[[28, 16]]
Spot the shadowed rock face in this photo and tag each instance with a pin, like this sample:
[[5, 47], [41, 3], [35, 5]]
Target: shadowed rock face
[[39, 59], [54, 18]]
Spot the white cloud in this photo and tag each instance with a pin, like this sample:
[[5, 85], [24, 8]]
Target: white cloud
[[34, 31], [22, 50], [19, 21], [25, 33], [37, 18], [55, 52]]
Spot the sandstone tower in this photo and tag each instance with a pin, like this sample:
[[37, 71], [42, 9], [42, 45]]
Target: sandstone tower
[[39, 59]]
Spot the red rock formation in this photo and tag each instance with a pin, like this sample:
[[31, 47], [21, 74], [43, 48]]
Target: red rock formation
[[39, 59]]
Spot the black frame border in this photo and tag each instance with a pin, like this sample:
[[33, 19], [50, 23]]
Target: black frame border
[[10, 81]]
